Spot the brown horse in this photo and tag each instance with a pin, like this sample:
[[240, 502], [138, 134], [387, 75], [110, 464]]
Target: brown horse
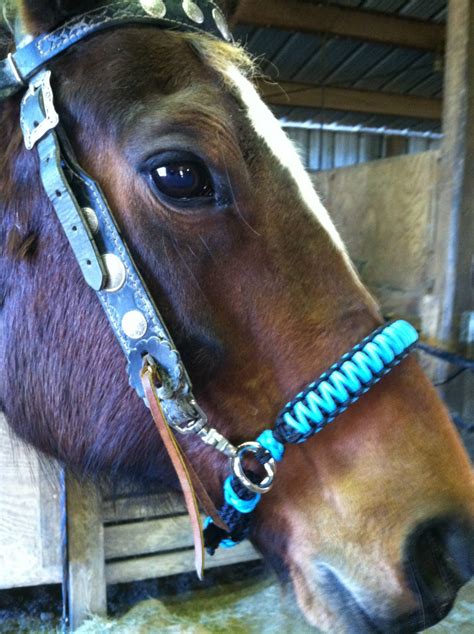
[[372, 519]]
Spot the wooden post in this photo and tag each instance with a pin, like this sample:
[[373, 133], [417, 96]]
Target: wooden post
[[87, 586], [453, 257]]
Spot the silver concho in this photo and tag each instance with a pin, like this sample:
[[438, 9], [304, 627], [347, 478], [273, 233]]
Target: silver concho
[[155, 8], [134, 324], [116, 274], [91, 219], [193, 12], [221, 23]]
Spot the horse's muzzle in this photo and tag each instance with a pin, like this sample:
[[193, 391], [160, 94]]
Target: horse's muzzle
[[438, 561]]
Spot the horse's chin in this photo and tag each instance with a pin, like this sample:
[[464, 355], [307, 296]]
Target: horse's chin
[[317, 605], [329, 605]]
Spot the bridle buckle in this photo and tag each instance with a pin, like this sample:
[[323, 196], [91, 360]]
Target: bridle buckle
[[39, 115]]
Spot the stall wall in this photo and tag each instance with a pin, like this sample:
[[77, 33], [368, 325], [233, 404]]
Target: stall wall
[[384, 211], [29, 516]]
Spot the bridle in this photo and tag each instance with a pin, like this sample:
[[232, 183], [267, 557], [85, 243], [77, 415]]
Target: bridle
[[155, 369]]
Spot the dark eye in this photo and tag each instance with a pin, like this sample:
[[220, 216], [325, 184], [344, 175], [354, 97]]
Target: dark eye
[[183, 180]]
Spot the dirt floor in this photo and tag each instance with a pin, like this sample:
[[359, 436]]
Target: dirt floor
[[243, 600]]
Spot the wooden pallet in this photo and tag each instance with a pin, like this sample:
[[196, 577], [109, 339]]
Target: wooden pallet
[[129, 539], [110, 541]]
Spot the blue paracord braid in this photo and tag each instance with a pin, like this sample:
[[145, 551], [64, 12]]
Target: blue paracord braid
[[271, 444], [345, 382], [314, 408]]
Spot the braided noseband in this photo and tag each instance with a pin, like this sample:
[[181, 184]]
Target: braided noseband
[[307, 414]]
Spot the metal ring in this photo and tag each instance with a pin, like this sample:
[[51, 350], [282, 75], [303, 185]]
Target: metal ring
[[238, 469]]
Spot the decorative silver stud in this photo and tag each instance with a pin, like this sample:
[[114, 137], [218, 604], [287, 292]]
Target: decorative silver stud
[[155, 8], [116, 274], [221, 24], [91, 219], [193, 12], [134, 324]]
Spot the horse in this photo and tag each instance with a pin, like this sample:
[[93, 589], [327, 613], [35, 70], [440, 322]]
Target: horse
[[371, 521]]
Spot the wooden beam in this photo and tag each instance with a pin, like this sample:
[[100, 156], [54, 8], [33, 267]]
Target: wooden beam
[[87, 585], [296, 15], [310, 96], [453, 259]]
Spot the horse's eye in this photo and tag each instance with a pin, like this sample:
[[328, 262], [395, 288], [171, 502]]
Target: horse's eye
[[184, 180]]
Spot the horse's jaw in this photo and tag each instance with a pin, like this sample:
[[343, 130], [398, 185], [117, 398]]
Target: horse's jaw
[[372, 518]]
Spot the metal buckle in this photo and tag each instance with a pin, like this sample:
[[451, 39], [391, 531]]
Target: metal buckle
[[213, 438], [239, 472], [38, 113], [192, 426]]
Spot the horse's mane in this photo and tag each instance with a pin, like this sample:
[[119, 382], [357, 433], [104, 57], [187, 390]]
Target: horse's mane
[[7, 16]]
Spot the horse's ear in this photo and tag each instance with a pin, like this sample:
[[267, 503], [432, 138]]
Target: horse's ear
[[40, 16]]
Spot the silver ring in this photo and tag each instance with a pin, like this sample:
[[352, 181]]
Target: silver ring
[[238, 469]]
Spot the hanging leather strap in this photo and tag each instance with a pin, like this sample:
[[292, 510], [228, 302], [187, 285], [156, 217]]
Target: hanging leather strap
[[191, 485]]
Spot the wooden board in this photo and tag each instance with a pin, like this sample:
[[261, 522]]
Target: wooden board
[[29, 516], [138, 538], [369, 26], [296, 94], [167, 564], [141, 507], [384, 211], [87, 586], [113, 541]]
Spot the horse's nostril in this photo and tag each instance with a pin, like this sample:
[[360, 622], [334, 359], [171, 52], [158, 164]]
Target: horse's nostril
[[439, 559]]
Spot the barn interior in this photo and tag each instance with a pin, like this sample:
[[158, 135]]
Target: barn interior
[[378, 97]]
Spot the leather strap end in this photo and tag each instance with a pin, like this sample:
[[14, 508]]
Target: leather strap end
[[149, 378]]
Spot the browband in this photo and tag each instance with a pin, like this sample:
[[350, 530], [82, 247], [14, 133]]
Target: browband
[[180, 15]]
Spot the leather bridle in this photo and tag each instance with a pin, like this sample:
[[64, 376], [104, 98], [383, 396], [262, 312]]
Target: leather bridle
[[155, 369]]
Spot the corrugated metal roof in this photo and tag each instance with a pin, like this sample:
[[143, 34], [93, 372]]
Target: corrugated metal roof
[[346, 63]]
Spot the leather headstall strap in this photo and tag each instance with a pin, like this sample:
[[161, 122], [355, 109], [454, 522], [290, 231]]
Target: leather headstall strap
[[89, 225]]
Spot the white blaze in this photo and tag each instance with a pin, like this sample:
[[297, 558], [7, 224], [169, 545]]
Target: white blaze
[[267, 127]]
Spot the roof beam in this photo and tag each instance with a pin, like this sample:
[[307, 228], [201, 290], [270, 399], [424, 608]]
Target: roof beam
[[293, 94], [371, 26]]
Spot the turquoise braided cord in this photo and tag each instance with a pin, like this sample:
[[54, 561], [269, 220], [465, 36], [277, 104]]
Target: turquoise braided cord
[[345, 382], [232, 497], [275, 448]]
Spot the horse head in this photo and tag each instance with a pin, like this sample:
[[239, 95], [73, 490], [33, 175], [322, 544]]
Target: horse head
[[370, 520]]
